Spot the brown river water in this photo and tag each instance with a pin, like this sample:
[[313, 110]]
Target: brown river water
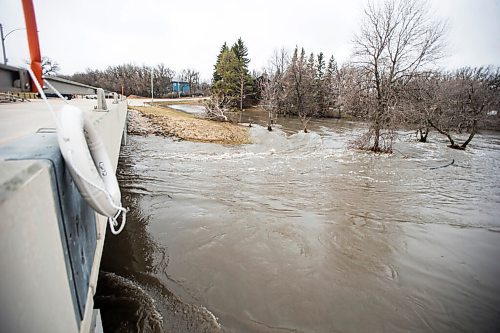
[[298, 233]]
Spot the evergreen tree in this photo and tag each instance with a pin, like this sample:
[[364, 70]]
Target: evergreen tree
[[216, 77], [310, 63], [320, 85], [246, 83], [299, 87], [232, 81], [227, 69], [320, 66], [241, 52], [332, 67], [332, 84]]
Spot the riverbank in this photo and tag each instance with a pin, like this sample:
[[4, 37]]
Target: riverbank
[[144, 120]]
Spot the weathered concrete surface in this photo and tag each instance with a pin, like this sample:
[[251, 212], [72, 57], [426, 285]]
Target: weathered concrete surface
[[38, 286], [34, 289]]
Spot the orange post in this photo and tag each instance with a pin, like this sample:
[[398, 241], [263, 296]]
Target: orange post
[[34, 45]]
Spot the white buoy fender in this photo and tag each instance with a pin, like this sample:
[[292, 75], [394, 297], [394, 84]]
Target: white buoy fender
[[88, 162]]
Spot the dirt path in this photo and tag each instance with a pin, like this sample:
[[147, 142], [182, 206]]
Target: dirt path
[[169, 122]]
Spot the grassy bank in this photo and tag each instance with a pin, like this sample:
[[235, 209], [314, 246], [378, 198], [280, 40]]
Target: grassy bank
[[166, 121]]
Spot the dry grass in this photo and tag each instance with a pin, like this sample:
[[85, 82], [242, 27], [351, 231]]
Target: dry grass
[[188, 127], [189, 101]]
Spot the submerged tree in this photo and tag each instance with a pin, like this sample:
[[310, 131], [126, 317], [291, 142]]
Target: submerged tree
[[302, 85], [465, 98], [397, 39], [419, 100], [271, 85], [267, 89]]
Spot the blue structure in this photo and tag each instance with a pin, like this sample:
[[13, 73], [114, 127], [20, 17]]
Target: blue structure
[[181, 87]]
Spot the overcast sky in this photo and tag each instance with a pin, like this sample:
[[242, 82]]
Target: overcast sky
[[188, 34]]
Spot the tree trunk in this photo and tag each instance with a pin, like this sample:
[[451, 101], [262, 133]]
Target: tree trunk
[[379, 112], [423, 134], [378, 116], [376, 147], [452, 142], [472, 133], [305, 121], [242, 85], [269, 121]]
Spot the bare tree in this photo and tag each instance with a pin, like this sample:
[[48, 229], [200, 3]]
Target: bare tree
[[192, 77], [204, 88], [354, 96], [50, 67], [216, 108], [277, 69], [419, 100], [465, 97], [396, 41], [271, 85], [136, 80], [163, 77], [267, 86]]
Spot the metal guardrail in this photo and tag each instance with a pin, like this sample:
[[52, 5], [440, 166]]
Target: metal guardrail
[[16, 80], [67, 87]]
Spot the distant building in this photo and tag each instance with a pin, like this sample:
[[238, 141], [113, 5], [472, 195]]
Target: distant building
[[181, 87]]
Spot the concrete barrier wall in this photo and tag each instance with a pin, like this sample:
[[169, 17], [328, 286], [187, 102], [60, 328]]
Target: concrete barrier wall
[[51, 241], [111, 127], [35, 292]]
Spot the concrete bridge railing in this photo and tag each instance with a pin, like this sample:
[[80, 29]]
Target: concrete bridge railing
[[51, 240]]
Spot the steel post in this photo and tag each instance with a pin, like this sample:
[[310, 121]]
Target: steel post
[[3, 45]]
